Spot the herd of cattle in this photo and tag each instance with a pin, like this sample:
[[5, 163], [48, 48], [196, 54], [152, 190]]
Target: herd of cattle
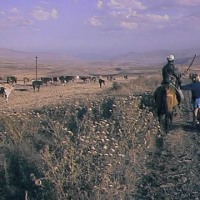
[[63, 80], [7, 86]]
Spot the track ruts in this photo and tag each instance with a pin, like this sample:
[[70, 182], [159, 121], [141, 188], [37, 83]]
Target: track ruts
[[173, 168]]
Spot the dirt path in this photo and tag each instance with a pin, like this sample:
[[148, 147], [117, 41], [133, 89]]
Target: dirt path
[[173, 168]]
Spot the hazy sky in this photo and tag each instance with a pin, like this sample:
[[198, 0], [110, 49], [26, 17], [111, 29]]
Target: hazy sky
[[99, 26]]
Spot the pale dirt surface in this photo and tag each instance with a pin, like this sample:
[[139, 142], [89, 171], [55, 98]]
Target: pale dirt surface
[[23, 97]]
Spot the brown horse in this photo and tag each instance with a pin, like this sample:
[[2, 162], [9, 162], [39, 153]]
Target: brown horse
[[166, 100]]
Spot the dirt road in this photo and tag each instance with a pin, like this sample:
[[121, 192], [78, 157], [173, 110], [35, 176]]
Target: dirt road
[[173, 168]]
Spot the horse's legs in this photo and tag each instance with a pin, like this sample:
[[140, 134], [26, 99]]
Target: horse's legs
[[171, 117], [159, 116], [193, 118], [168, 120]]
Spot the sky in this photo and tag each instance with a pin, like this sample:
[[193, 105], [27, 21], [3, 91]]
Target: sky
[[99, 26]]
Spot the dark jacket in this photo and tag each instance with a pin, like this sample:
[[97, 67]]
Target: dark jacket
[[170, 72], [194, 87]]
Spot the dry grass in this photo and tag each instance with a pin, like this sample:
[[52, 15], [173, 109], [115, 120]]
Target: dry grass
[[81, 147], [82, 142]]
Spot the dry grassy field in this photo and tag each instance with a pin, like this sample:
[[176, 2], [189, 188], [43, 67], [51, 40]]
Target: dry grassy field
[[23, 97]]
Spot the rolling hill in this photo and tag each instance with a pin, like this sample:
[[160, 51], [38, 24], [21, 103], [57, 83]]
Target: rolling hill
[[18, 60]]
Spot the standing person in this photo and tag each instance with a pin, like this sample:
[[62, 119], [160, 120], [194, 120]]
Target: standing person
[[195, 89], [171, 75]]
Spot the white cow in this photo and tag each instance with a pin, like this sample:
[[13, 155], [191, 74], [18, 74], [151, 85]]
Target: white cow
[[5, 90]]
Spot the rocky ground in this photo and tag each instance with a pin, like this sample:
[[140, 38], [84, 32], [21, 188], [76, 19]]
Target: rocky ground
[[173, 167]]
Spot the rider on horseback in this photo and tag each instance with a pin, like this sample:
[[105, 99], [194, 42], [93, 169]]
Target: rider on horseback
[[171, 75]]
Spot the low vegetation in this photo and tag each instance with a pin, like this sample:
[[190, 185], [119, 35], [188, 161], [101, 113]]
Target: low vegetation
[[97, 148]]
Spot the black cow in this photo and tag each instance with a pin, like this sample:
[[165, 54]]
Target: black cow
[[46, 80], [93, 78], [2, 91], [55, 79], [11, 79], [84, 78], [66, 79], [69, 78], [125, 76], [36, 84], [62, 79], [101, 81]]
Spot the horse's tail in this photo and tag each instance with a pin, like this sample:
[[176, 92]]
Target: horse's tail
[[170, 99], [165, 105], [159, 98]]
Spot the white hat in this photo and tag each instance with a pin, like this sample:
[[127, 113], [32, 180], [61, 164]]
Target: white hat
[[170, 57]]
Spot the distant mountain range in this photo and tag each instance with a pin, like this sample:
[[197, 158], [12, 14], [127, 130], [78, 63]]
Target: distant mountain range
[[132, 59], [10, 53], [157, 58]]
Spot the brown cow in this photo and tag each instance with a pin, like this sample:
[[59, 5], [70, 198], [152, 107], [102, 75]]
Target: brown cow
[[11, 79], [26, 80]]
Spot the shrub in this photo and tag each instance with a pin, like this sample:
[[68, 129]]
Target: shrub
[[89, 149]]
